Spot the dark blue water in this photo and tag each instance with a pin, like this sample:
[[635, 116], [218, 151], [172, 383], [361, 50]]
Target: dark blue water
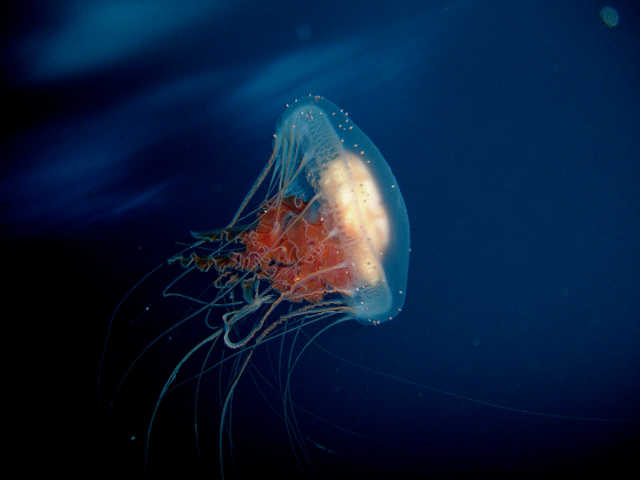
[[513, 131]]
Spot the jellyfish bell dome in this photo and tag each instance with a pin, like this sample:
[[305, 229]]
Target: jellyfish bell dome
[[358, 198]]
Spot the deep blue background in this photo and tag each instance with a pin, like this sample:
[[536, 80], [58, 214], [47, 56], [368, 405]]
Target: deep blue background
[[513, 131]]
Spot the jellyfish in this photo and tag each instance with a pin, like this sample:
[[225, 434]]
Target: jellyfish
[[609, 16], [321, 238]]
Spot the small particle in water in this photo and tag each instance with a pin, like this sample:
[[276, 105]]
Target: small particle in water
[[609, 16]]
